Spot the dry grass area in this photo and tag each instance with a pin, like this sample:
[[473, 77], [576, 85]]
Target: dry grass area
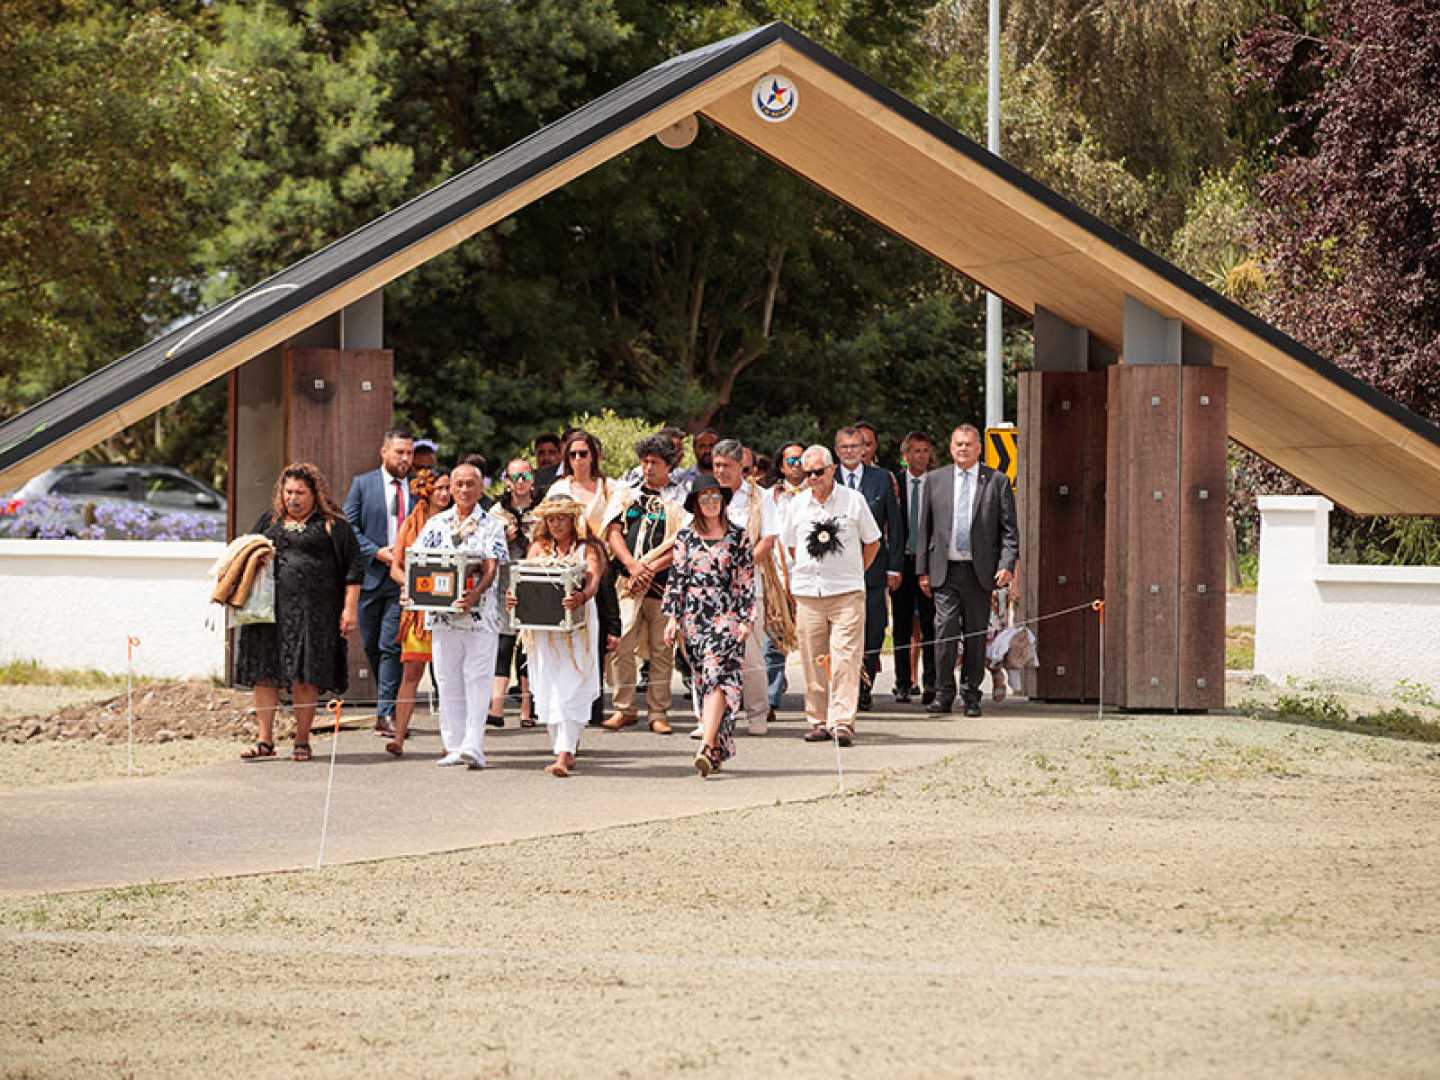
[[1179, 897]]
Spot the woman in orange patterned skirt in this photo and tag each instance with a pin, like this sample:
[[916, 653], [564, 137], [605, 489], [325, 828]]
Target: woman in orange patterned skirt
[[430, 493]]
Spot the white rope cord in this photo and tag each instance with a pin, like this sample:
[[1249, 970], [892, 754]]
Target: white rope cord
[[1089, 605], [334, 707]]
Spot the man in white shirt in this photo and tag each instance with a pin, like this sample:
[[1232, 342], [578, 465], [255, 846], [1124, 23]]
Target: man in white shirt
[[466, 640], [750, 510], [832, 538]]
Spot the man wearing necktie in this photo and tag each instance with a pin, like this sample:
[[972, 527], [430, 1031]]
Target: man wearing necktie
[[968, 545], [882, 576], [909, 602], [376, 507]]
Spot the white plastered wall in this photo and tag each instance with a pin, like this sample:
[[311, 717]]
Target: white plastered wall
[[1361, 625], [73, 603]]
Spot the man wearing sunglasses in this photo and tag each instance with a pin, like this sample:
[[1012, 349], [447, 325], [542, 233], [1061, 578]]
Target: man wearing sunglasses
[[832, 539]]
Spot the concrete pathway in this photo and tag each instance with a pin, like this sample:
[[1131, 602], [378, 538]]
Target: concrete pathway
[[241, 818]]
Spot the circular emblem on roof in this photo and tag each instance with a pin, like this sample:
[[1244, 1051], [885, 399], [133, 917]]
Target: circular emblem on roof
[[775, 98]]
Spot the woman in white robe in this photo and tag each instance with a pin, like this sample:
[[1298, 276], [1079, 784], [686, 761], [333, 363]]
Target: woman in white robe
[[564, 668]]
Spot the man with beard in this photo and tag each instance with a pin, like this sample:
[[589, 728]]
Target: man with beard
[[376, 507]]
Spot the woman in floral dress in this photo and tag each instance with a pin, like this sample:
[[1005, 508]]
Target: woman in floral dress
[[710, 601]]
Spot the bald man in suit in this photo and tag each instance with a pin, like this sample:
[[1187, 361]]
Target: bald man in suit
[[969, 543]]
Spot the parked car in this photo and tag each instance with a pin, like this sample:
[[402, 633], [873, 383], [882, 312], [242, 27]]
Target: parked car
[[114, 501]]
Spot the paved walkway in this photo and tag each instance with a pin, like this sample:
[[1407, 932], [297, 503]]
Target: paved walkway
[[240, 818]]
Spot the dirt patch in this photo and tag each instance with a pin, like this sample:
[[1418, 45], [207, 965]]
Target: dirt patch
[[163, 712], [1197, 896]]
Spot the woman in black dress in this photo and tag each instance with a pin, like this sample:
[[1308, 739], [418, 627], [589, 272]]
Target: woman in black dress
[[710, 601], [318, 571]]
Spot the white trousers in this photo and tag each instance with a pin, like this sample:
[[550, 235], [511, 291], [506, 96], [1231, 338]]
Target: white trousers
[[465, 669], [755, 680]]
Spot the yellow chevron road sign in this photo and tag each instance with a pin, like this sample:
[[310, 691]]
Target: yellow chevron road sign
[[1001, 452]]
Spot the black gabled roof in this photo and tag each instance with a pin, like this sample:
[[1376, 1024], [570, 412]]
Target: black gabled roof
[[103, 391]]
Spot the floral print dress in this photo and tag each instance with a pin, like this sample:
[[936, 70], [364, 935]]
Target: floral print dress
[[711, 592]]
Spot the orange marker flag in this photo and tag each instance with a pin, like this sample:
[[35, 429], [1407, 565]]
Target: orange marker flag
[[333, 707]]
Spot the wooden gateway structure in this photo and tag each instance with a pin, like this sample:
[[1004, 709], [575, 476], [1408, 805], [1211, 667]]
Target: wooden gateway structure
[[1140, 371]]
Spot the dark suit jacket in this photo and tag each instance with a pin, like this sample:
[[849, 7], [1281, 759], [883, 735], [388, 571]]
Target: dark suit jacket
[[994, 535], [365, 510], [879, 491], [901, 477]]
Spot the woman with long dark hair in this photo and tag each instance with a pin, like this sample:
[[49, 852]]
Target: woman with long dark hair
[[710, 604], [582, 480], [317, 572], [429, 494]]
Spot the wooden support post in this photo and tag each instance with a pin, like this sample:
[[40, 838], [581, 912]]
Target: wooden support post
[[1165, 527], [326, 397], [1061, 503]]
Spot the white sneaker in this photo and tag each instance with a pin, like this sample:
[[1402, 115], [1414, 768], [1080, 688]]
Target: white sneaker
[[758, 727], [451, 759], [472, 760], [698, 733]]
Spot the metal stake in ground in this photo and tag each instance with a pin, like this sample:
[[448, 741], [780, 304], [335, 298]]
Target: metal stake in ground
[[131, 643], [333, 706]]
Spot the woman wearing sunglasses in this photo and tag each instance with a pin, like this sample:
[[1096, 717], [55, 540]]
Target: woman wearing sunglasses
[[582, 480], [516, 513]]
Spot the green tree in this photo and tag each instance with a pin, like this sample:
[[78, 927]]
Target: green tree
[[112, 122]]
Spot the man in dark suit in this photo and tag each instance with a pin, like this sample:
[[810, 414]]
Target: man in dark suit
[[970, 543], [883, 574], [376, 506], [908, 602]]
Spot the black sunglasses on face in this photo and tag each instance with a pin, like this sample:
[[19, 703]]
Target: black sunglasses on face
[[579, 453], [813, 473]]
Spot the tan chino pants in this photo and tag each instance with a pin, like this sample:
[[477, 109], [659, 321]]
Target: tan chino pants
[[832, 626], [648, 629]]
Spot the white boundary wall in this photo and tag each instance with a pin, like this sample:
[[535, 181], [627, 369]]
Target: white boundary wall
[[1370, 625], [72, 604]]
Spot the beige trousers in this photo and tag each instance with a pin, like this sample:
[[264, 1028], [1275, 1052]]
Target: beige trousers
[[832, 626], [754, 682], [648, 629]]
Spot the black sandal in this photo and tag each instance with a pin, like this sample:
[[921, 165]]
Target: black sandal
[[301, 752], [258, 751], [491, 720]]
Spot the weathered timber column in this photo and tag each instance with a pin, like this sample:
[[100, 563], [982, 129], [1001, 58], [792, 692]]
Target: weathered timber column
[[1062, 505], [325, 396], [1165, 520]]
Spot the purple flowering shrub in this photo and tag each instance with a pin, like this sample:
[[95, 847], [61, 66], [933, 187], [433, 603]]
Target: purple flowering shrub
[[54, 518]]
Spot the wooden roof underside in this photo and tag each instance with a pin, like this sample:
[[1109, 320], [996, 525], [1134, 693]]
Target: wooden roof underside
[[884, 157]]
